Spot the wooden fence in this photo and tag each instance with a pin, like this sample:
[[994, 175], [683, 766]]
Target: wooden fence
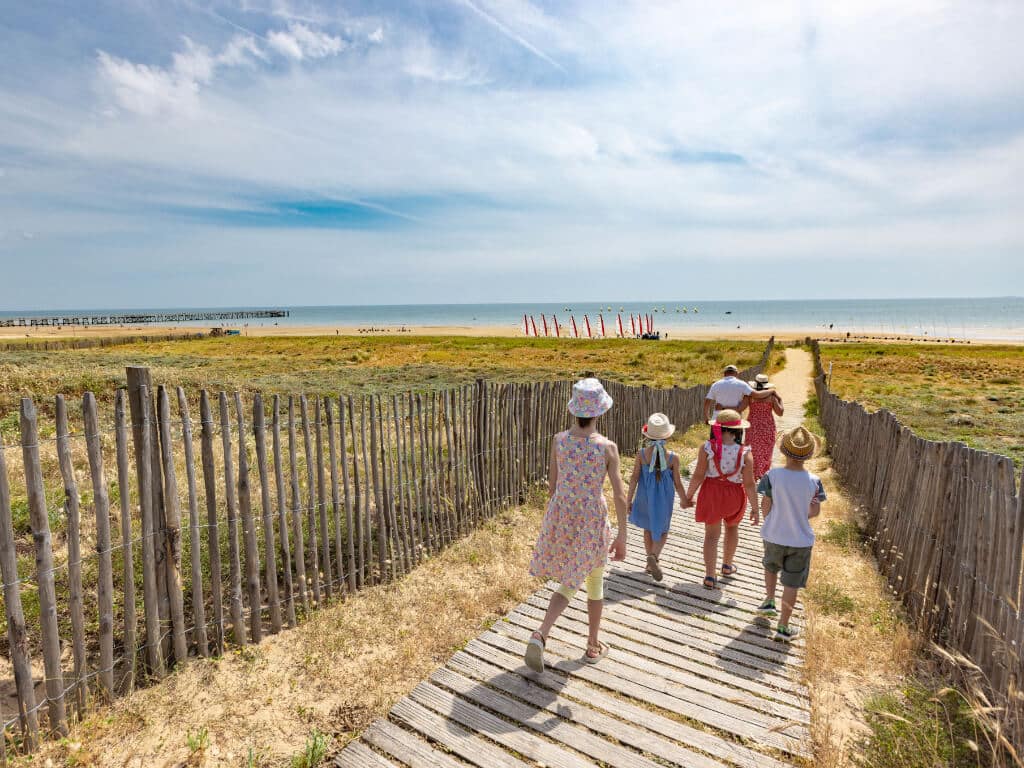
[[52, 345], [176, 536], [946, 524]]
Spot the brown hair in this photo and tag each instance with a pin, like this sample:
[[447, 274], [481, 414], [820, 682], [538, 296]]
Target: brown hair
[[584, 421]]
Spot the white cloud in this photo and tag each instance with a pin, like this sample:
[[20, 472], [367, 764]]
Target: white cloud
[[303, 42], [377, 36]]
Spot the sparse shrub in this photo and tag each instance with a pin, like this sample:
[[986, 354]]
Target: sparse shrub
[[845, 534], [831, 600], [314, 752]]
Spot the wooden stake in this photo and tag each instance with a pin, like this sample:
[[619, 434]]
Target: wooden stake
[[195, 543], [300, 551], [172, 534], [311, 516], [269, 546], [252, 552], [212, 535], [282, 511], [321, 503], [238, 634], [124, 491]]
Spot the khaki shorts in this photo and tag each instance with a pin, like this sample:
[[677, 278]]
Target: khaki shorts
[[793, 562]]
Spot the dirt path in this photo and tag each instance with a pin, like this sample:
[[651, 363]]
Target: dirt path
[[793, 383]]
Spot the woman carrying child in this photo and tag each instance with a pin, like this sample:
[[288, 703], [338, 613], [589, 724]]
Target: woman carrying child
[[575, 537], [725, 477], [652, 489]]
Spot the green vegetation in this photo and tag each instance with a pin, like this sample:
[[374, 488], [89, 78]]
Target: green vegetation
[[314, 752], [926, 726], [971, 393], [830, 599], [351, 364]]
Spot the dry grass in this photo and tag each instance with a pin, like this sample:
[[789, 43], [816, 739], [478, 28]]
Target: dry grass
[[334, 674], [943, 392]]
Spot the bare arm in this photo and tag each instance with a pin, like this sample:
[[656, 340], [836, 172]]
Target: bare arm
[[815, 509], [677, 479], [750, 486], [699, 472], [777, 405], [618, 548], [552, 471], [744, 404], [708, 403], [762, 394], [634, 480], [766, 505]]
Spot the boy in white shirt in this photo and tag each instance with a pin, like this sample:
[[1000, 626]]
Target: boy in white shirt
[[791, 497]]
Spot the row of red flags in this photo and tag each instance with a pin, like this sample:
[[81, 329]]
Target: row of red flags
[[645, 324]]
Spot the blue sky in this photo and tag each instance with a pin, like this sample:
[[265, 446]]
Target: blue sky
[[284, 152]]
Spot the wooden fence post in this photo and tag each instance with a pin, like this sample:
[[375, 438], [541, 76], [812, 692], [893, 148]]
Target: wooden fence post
[[195, 543], [311, 516], [212, 526], [124, 491], [74, 542], [300, 553], [269, 545], [252, 553], [44, 567], [282, 514], [17, 634], [234, 558], [172, 532], [105, 583]]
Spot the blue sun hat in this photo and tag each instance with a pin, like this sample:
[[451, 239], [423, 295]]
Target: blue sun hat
[[589, 399]]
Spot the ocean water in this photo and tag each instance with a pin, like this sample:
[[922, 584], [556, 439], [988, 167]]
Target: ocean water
[[984, 318]]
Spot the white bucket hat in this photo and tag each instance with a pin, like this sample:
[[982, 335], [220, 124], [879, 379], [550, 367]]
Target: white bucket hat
[[658, 427], [589, 399]]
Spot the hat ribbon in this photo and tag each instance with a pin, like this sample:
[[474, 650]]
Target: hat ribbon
[[716, 442], [659, 456]]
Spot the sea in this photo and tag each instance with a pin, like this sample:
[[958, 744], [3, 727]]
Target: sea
[[995, 319]]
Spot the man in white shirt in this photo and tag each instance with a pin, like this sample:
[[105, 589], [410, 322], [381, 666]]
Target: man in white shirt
[[730, 392]]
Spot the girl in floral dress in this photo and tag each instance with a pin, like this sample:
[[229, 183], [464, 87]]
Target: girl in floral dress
[[725, 477], [761, 435], [575, 536]]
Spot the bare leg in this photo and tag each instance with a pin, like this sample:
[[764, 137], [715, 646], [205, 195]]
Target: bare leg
[[788, 601], [648, 543], [732, 540], [555, 608], [712, 532], [657, 546], [770, 580], [594, 610]]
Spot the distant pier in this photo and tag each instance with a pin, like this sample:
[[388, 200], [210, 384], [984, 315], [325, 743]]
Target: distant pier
[[159, 317]]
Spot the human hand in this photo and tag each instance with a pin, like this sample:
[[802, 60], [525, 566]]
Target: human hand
[[686, 503], [755, 517], [618, 548]]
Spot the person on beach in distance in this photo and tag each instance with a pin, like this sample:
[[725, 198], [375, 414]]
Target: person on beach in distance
[[725, 477], [761, 435], [791, 496], [653, 487], [730, 391], [575, 536]]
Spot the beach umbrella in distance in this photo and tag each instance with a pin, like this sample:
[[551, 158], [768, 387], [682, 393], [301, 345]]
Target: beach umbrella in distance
[[534, 323], [621, 334], [545, 321], [603, 334], [586, 319]]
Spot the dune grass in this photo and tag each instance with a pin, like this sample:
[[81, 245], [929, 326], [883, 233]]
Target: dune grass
[[943, 392], [353, 364]]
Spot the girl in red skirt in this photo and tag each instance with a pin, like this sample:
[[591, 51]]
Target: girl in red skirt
[[725, 477]]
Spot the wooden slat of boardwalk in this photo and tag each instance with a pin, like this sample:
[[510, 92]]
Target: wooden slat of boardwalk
[[692, 680]]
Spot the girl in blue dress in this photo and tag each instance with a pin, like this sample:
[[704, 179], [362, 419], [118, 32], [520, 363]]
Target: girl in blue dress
[[653, 487]]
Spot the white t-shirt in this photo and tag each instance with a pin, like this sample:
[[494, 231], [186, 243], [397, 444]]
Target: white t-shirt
[[729, 391], [791, 492]]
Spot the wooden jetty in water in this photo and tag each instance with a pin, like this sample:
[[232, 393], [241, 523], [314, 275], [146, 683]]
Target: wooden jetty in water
[[145, 317]]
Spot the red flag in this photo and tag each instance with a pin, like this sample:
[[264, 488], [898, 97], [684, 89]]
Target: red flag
[[632, 324], [621, 334], [575, 333], [545, 321], [602, 325], [587, 320], [534, 323], [558, 333], [526, 326]]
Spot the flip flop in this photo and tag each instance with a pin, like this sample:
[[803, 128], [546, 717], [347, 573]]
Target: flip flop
[[710, 582], [728, 569], [602, 647], [535, 654], [653, 568]]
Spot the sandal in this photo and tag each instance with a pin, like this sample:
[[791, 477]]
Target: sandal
[[710, 582], [653, 568], [602, 651], [534, 657], [728, 569]]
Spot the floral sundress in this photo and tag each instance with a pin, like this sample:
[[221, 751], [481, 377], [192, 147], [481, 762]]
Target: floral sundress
[[575, 534]]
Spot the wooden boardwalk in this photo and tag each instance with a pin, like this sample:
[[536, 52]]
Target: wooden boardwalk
[[692, 679]]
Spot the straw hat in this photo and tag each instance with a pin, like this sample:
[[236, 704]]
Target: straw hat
[[589, 399], [731, 369], [730, 419], [658, 427], [799, 444], [761, 379]]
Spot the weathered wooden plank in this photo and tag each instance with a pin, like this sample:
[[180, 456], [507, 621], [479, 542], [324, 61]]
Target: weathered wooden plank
[[406, 747], [269, 540], [238, 634], [282, 514], [127, 555], [172, 530], [252, 553], [195, 543], [212, 522], [357, 755]]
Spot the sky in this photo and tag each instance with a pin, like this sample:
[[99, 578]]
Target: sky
[[292, 152]]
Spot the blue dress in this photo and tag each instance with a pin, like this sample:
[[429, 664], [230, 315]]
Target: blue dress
[[654, 499]]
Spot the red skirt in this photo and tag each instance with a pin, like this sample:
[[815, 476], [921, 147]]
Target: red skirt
[[719, 500]]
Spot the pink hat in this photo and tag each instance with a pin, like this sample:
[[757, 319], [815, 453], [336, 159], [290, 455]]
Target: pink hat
[[589, 399]]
